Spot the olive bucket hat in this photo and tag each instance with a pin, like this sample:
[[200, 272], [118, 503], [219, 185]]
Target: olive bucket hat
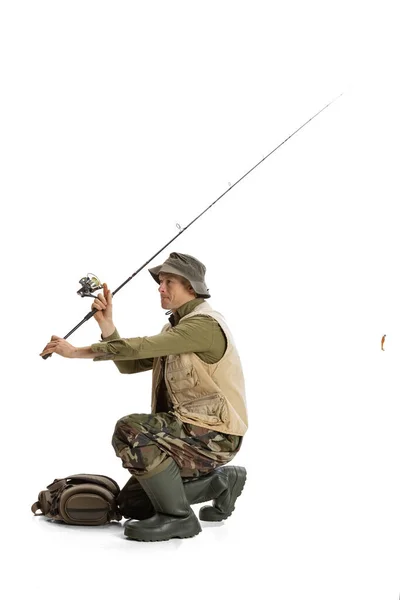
[[186, 266]]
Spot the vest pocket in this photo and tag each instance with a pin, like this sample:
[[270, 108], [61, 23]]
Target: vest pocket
[[208, 410], [182, 379]]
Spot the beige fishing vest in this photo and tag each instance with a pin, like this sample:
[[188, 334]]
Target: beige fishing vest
[[207, 395]]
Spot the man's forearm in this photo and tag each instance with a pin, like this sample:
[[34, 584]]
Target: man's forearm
[[86, 352]]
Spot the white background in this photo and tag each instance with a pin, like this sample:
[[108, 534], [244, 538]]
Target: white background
[[121, 119]]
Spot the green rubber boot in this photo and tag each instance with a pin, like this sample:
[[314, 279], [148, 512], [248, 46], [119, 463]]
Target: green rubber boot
[[231, 481], [224, 483], [173, 516]]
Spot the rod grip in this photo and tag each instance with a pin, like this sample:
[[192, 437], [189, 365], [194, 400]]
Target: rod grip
[[47, 355]]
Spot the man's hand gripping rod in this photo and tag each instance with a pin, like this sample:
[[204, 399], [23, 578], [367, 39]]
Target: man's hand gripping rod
[[92, 312]]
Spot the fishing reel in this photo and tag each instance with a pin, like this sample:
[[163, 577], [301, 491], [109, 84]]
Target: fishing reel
[[89, 285]]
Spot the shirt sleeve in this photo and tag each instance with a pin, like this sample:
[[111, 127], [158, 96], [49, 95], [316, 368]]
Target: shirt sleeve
[[196, 334], [125, 366]]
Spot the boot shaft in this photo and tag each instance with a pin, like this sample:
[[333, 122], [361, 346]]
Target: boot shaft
[[165, 491]]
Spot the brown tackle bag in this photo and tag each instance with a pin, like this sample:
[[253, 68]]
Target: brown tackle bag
[[80, 500]]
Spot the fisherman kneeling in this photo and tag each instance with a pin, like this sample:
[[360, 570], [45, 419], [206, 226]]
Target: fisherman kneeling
[[198, 410]]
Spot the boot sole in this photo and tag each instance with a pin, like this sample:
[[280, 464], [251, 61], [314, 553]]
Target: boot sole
[[158, 539], [237, 489], [188, 531]]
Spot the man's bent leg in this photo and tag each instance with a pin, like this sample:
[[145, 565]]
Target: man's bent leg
[[144, 441]]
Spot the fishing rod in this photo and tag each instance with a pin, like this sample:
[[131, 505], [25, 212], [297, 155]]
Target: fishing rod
[[91, 284]]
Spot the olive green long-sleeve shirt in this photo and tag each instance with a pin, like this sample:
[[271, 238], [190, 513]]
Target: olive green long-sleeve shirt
[[200, 334]]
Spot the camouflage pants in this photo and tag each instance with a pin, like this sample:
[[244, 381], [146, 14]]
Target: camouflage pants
[[145, 441]]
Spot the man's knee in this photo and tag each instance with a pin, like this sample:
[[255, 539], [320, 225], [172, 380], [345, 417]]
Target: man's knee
[[123, 430], [128, 427], [128, 422]]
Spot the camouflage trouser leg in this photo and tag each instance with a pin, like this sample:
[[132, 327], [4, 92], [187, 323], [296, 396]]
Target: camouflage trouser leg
[[144, 442]]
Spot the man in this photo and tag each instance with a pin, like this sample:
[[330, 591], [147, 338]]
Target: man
[[198, 416]]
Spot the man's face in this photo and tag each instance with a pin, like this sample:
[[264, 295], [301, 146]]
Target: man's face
[[173, 292]]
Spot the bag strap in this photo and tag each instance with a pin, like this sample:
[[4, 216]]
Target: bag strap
[[36, 506]]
